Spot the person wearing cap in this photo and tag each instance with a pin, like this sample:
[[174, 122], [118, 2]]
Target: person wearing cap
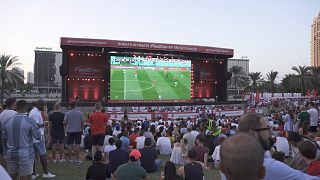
[[39, 145], [193, 169], [131, 170]]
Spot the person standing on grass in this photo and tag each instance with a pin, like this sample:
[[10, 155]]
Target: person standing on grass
[[98, 122], [57, 132], [5, 115], [74, 119], [17, 134], [39, 145], [314, 118]]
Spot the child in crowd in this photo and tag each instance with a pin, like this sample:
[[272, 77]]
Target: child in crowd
[[109, 148]]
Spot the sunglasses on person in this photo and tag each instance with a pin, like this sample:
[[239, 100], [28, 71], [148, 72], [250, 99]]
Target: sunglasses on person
[[262, 129]]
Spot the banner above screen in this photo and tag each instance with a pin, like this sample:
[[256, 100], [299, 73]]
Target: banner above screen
[[144, 45]]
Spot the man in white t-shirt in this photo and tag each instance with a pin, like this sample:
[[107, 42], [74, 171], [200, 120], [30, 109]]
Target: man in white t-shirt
[[164, 144], [39, 145], [314, 117], [140, 140]]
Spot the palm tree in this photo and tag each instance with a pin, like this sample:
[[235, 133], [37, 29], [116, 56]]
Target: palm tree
[[271, 80], [287, 83], [255, 80], [237, 72], [303, 78], [7, 74]]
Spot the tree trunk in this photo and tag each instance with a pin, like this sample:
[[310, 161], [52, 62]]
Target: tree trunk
[[2, 89]]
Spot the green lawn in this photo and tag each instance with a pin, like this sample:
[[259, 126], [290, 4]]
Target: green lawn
[[66, 171], [149, 84]]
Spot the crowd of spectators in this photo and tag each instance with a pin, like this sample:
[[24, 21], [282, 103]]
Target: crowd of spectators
[[252, 146]]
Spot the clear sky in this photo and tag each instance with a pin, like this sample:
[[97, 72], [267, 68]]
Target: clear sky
[[274, 34]]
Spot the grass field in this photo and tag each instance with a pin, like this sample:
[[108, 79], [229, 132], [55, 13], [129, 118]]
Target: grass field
[[66, 171], [149, 84]]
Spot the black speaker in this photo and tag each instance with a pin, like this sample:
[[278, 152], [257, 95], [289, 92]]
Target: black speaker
[[197, 73], [63, 70]]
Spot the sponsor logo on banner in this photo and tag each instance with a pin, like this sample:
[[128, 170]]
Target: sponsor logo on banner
[[139, 116], [131, 116], [182, 115], [116, 117], [86, 70], [231, 113]]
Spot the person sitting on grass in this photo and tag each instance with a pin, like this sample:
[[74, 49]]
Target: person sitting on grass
[[202, 151], [149, 156], [131, 170], [169, 172], [117, 156], [98, 170], [242, 158], [308, 150], [109, 148], [193, 169]]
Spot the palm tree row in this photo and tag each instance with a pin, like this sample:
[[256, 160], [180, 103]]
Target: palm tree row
[[304, 78]]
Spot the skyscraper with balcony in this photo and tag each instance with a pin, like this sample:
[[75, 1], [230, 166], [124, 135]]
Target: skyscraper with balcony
[[47, 78], [315, 41]]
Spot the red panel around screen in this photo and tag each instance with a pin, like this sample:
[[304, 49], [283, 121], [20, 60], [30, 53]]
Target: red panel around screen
[[84, 90], [86, 65]]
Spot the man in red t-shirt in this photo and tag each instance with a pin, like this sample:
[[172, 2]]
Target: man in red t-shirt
[[133, 137], [308, 151], [97, 122]]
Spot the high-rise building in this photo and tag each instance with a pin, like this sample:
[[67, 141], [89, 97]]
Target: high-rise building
[[315, 41], [47, 78], [21, 71], [243, 62], [30, 78]]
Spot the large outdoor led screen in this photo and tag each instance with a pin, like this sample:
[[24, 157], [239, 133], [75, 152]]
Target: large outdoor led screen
[[149, 78]]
